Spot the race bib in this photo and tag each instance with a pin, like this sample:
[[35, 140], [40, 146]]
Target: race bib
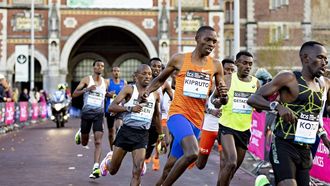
[[95, 99], [196, 84], [146, 112], [307, 126], [240, 102]]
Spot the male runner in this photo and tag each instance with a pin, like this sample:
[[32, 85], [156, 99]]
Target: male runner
[[195, 73], [235, 121], [94, 89], [115, 85], [298, 118], [133, 134]]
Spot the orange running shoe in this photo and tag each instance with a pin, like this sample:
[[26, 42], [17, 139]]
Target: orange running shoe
[[155, 164], [147, 161]]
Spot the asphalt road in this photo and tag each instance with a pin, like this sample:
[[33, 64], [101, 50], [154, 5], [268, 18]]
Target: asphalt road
[[41, 154]]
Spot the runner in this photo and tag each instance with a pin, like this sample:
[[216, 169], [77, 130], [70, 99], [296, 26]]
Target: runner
[[156, 67], [234, 124], [133, 135], [195, 73], [210, 125], [115, 85], [94, 89], [299, 108]]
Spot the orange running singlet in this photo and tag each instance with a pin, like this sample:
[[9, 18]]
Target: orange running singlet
[[193, 84]]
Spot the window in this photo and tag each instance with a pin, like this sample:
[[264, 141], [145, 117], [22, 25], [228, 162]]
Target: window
[[228, 47], [280, 32], [229, 12], [128, 67], [83, 69]]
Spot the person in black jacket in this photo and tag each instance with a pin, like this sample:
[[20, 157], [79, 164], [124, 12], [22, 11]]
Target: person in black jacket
[[24, 96], [2, 88]]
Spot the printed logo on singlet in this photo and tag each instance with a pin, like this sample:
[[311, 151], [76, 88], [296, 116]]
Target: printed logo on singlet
[[94, 99], [196, 84], [307, 126], [240, 102], [146, 112]]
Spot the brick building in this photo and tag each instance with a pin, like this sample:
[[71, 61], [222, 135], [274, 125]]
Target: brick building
[[70, 34]]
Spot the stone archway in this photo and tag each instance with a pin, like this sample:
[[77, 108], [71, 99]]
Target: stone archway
[[115, 22]]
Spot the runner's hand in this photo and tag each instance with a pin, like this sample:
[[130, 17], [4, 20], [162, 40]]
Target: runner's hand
[[163, 149], [93, 87], [286, 114], [143, 97], [137, 108]]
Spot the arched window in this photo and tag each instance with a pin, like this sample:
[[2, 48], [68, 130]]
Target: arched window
[[84, 68], [128, 67]]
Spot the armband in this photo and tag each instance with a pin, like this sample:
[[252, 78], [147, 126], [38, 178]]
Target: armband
[[161, 137]]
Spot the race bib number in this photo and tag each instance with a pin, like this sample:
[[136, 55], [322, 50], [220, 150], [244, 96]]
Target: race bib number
[[307, 126], [196, 84], [240, 102], [95, 99], [146, 112]]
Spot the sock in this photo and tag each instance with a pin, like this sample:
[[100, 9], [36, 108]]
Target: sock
[[96, 165]]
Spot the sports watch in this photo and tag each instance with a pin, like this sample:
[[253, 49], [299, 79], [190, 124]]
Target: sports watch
[[273, 105]]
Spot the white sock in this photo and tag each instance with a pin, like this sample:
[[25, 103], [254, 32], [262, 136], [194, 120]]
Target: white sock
[[96, 165]]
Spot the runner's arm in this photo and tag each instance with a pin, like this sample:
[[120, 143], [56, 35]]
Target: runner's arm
[[157, 115], [79, 89], [123, 95], [220, 83], [174, 64]]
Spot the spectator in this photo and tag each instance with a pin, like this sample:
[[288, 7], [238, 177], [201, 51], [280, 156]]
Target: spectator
[[2, 88], [15, 95], [24, 96], [34, 95], [43, 96]]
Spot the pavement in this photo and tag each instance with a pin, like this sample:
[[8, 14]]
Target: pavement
[[41, 154]]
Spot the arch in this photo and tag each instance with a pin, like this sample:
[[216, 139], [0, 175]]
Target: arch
[[102, 22], [124, 57], [37, 55]]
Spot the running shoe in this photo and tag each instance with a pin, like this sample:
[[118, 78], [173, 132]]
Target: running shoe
[[95, 173], [155, 163], [104, 163], [261, 180], [147, 161], [77, 137], [144, 169]]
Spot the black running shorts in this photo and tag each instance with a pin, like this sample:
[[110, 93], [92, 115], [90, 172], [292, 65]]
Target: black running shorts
[[241, 138], [130, 139], [290, 161], [88, 121]]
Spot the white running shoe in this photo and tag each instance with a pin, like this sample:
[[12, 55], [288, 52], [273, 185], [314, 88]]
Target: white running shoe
[[104, 163], [144, 169]]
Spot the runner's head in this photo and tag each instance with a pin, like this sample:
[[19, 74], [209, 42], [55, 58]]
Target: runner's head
[[115, 72], [228, 66], [244, 62], [206, 39], [156, 66], [313, 56], [143, 75], [98, 67]]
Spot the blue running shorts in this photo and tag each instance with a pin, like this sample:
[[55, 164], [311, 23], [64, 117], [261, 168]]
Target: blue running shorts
[[180, 127]]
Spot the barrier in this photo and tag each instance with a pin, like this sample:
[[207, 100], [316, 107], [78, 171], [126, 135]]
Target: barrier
[[21, 113], [259, 147]]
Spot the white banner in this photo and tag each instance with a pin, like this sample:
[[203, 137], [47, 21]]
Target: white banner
[[21, 63], [110, 3]]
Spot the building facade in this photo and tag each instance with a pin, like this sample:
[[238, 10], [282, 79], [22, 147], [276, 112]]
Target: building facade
[[71, 34]]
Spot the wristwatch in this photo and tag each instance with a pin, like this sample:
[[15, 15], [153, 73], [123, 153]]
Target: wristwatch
[[129, 108], [273, 105]]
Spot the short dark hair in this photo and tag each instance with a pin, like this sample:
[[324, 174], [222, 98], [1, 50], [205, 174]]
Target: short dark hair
[[97, 60], [154, 59], [227, 60], [243, 53], [309, 44], [203, 29]]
